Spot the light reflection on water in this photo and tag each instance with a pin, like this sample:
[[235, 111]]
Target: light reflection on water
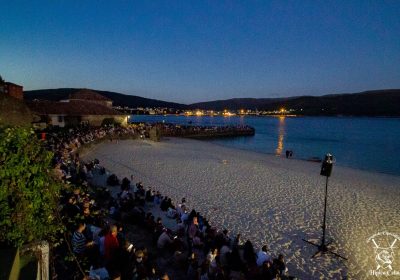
[[281, 136]]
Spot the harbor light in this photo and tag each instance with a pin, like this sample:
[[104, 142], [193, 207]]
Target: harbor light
[[228, 114]]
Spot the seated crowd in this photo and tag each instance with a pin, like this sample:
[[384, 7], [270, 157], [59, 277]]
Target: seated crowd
[[97, 225]]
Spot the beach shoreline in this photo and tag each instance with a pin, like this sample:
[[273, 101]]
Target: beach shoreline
[[267, 199], [301, 159]]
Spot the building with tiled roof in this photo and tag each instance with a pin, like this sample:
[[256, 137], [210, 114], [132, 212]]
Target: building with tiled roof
[[91, 96], [12, 90], [83, 107]]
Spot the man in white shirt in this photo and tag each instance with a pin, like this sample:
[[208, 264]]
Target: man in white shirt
[[263, 256]]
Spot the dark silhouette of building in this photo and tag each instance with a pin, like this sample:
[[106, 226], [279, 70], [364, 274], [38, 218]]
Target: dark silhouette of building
[[12, 89]]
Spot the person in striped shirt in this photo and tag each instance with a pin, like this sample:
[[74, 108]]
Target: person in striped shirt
[[79, 241]]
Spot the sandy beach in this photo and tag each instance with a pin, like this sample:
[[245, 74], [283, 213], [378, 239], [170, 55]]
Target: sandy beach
[[269, 199]]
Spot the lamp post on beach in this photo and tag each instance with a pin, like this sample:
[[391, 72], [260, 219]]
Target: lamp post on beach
[[326, 170]]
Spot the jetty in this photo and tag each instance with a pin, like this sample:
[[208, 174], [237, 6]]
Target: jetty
[[202, 132]]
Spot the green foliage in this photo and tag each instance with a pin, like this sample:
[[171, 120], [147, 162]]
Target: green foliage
[[28, 192]]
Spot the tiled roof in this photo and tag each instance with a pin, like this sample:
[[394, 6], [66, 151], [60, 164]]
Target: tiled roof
[[12, 84], [87, 94], [71, 108]]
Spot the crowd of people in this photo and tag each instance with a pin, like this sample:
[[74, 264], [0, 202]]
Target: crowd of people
[[205, 251], [97, 224], [65, 142]]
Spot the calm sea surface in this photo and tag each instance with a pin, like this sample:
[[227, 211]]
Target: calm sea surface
[[363, 143]]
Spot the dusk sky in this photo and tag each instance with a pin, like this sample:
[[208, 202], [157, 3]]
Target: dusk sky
[[190, 51]]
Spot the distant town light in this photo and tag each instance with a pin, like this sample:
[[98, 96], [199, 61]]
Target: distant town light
[[228, 114]]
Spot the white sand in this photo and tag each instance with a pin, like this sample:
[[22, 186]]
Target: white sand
[[269, 199]]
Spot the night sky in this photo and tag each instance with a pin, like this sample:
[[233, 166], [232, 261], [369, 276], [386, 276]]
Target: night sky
[[190, 51]]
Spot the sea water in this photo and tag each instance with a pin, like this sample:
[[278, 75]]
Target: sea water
[[371, 144]]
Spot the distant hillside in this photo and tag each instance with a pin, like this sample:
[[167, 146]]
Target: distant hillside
[[119, 99], [236, 103], [368, 103]]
